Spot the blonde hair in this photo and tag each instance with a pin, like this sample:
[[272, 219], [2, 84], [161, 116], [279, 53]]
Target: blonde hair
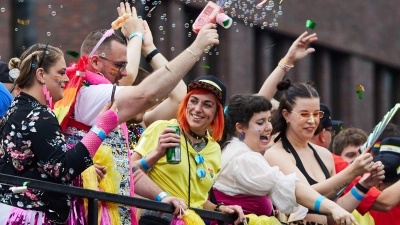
[[29, 62]]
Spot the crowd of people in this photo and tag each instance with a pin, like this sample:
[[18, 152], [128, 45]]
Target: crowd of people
[[185, 145]]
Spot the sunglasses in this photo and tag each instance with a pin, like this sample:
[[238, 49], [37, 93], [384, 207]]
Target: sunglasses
[[120, 65], [201, 173], [307, 115]]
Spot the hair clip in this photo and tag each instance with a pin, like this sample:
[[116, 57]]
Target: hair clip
[[14, 73], [226, 110]]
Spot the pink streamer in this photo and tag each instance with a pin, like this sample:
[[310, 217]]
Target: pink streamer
[[108, 33], [105, 214]]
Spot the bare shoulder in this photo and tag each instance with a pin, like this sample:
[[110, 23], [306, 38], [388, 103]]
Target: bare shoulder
[[276, 154]]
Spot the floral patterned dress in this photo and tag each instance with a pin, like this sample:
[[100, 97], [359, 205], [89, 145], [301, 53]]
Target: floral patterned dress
[[33, 146]]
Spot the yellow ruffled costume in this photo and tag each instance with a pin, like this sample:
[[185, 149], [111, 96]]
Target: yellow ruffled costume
[[109, 183], [262, 220]]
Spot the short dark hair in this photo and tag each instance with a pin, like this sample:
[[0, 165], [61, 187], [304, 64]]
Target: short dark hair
[[241, 109], [93, 38], [142, 74], [288, 100], [391, 130], [346, 137]]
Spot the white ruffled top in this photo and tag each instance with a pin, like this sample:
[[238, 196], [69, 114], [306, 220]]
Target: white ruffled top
[[247, 172]]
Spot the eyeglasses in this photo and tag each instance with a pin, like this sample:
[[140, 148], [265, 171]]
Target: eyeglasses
[[120, 65], [307, 115], [332, 131], [201, 173], [13, 87]]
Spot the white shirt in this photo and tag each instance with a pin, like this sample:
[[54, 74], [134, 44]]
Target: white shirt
[[91, 100], [247, 172]]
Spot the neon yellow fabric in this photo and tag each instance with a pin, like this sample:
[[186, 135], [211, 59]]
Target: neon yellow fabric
[[367, 219], [173, 178], [110, 182], [262, 220]]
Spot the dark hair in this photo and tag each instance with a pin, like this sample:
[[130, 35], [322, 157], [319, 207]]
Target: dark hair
[[142, 74], [391, 130], [241, 109], [29, 62], [346, 137], [93, 38], [288, 100]]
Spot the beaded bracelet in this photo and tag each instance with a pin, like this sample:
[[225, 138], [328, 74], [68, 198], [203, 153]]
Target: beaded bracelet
[[285, 66], [217, 206]]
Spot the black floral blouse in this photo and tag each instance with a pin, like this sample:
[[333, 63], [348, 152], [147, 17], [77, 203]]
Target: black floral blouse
[[33, 146]]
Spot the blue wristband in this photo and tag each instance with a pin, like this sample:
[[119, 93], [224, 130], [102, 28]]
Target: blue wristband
[[136, 34], [99, 132], [160, 196], [356, 194], [318, 203], [144, 164]]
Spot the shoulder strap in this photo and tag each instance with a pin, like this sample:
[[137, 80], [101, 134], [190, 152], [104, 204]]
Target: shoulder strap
[[320, 162]]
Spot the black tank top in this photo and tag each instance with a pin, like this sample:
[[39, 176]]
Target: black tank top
[[289, 148]]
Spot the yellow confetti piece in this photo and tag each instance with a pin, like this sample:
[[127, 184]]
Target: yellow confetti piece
[[280, 1], [360, 87], [23, 22]]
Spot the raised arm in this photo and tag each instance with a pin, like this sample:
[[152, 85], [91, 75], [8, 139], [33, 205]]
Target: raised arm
[[168, 108], [158, 85], [130, 26], [296, 52]]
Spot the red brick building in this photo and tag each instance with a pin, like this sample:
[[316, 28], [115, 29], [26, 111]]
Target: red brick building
[[359, 43]]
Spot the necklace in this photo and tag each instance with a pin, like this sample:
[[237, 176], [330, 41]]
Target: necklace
[[198, 137]]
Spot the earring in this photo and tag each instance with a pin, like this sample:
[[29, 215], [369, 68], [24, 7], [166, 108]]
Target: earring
[[242, 136], [287, 122]]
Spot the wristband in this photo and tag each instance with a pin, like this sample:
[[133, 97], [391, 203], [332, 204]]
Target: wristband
[[160, 196], [144, 164], [217, 206], [150, 56], [356, 195], [362, 188], [318, 203], [99, 132], [134, 34], [191, 52], [285, 66]]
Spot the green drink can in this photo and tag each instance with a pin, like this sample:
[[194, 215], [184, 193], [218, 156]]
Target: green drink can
[[174, 154]]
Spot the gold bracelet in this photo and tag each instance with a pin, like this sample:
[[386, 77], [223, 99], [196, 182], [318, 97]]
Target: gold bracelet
[[189, 50]]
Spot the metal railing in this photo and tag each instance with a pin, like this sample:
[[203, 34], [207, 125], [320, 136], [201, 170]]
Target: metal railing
[[95, 196]]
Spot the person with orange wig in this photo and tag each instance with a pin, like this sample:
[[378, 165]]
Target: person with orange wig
[[201, 124]]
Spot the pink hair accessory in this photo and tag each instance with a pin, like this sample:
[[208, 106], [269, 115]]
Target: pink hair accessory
[[48, 97], [107, 34]]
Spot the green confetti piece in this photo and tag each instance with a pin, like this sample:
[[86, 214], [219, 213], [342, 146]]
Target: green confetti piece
[[341, 127], [205, 67], [25, 183], [360, 96], [73, 54], [311, 24]]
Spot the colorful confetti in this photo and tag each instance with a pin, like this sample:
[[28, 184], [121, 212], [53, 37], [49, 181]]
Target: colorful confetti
[[270, 46], [205, 67], [23, 22], [73, 54], [311, 24], [360, 95], [360, 87]]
